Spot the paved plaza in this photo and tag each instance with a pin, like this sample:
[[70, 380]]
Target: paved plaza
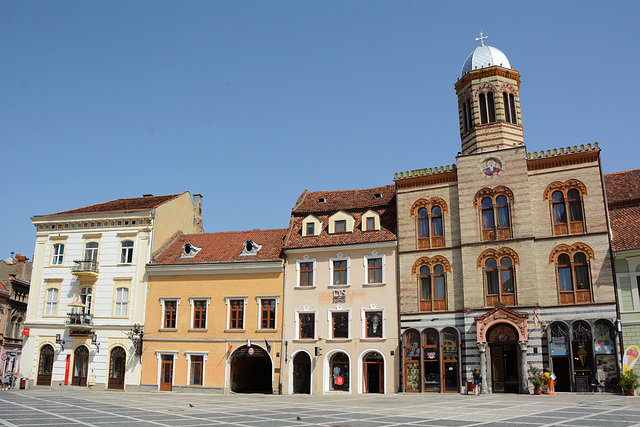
[[73, 407]]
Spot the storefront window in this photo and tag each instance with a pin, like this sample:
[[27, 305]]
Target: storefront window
[[339, 372], [606, 371], [412, 362], [450, 361], [431, 358]]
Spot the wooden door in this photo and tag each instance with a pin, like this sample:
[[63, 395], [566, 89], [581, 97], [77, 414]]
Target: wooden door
[[117, 368], [166, 372], [45, 365], [80, 366]]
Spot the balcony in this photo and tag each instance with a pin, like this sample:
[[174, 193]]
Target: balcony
[[79, 321], [85, 269]]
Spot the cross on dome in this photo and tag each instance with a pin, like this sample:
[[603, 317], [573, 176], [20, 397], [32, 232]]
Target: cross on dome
[[482, 38]]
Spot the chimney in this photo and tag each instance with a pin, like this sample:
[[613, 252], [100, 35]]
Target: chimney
[[197, 220]]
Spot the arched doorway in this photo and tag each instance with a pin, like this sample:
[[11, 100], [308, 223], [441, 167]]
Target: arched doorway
[[45, 365], [80, 366], [503, 350], [373, 370], [250, 370], [559, 353], [302, 373], [339, 372], [450, 358], [117, 368]]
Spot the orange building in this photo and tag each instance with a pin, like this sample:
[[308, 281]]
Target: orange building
[[214, 313]]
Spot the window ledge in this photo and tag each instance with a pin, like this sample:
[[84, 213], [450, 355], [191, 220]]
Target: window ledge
[[168, 329], [373, 339], [346, 285], [197, 330], [266, 330], [305, 287], [338, 339], [374, 285], [235, 331], [301, 340]]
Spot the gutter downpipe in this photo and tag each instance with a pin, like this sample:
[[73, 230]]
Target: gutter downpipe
[[282, 353]]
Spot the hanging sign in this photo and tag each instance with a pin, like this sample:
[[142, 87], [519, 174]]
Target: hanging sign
[[3, 357], [251, 351], [26, 332]]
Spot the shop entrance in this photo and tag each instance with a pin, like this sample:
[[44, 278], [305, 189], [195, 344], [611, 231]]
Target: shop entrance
[[562, 369], [45, 365], [373, 367], [302, 373], [251, 371], [166, 372], [80, 366], [503, 347], [117, 368]]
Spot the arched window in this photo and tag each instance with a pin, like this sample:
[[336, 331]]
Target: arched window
[[412, 362], [512, 107], [487, 108], [467, 117], [339, 368], [495, 213], [574, 279], [499, 282], [567, 207], [431, 361], [432, 288], [429, 222], [508, 101]]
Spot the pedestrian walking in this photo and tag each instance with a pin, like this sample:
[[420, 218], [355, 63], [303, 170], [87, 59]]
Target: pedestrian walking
[[477, 381]]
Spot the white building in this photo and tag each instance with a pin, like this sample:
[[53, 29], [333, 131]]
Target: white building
[[88, 288]]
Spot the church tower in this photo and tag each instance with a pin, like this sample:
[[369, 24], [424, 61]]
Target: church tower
[[488, 101]]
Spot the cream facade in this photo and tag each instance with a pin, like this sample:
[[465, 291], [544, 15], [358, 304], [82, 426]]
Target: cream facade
[[88, 289]]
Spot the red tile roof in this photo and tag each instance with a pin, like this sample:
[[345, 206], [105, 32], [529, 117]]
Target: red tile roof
[[122, 205], [623, 199], [622, 187], [3, 288], [225, 247], [354, 202]]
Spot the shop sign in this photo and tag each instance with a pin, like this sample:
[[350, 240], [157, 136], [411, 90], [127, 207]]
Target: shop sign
[[251, 351], [339, 295], [26, 332], [339, 380], [4, 356], [13, 353], [558, 346]]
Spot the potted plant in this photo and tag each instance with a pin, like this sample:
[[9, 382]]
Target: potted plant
[[629, 382], [536, 379]]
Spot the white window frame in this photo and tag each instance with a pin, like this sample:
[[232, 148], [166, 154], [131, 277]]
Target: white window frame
[[259, 302], [162, 301], [126, 250], [315, 325], [364, 323], [51, 305], [57, 257], [227, 301], [88, 297], [305, 259], [340, 257], [375, 255], [188, 355], [193, 319], [120, 303], [159, 354], [330, 336]]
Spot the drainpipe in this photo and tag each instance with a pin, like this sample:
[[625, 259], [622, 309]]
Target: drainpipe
[[282, 353]]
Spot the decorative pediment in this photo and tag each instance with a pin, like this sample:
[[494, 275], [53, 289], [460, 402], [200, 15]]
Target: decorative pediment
[[493, 193], [564, 187], [501, 314], [428, 204], [497, 254], [571, 251], [430, 262]]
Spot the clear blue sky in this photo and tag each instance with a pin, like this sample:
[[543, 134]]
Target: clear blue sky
[[251, 102]]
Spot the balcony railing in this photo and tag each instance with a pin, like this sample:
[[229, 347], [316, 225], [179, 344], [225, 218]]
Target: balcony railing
[[85, 268], [79, 319]]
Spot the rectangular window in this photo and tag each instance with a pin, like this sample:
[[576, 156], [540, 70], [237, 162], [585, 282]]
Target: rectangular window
[[170, 308], [58, 254], [374, 324], [268, 314], [51, 308], [341, 226], [306, 274], [371, 223], [197, 365], [375, 270], [307, 326], [340, 272], [126, 252], [199, 314], [122, 300], [310, 229], [236, 314], [340, 324]]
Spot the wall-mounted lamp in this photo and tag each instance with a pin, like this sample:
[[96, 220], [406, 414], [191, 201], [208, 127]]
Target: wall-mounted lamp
[[60, 341], [318, 351], [94, 341], [135, 335]]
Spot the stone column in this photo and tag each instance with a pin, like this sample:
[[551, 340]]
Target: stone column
[[482, 346], [524, 384]]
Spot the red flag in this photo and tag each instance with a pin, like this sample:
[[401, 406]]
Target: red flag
[[229, 350], [248, 342]]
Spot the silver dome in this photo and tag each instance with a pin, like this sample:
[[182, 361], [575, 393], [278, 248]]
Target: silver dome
[[484, 56]]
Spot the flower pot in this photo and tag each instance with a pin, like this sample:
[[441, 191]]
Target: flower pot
[[537, 391], [630, 392]]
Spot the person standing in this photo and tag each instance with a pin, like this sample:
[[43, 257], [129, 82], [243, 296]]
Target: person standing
[[477, 381]]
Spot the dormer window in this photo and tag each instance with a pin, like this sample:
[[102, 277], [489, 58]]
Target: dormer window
[[377, 196], [341, 222], [322, 200], [189, 250], [250, 248], [310, 227], [341, 226], [371, 224]]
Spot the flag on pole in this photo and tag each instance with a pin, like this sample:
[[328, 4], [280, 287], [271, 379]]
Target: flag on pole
[[536, 321], [268, 346], [248, 342], [229, 349]]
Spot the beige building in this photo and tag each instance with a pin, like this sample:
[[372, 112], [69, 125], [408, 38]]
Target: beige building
[[504, 257], [88, 288], [341, 320], [214, 314]]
